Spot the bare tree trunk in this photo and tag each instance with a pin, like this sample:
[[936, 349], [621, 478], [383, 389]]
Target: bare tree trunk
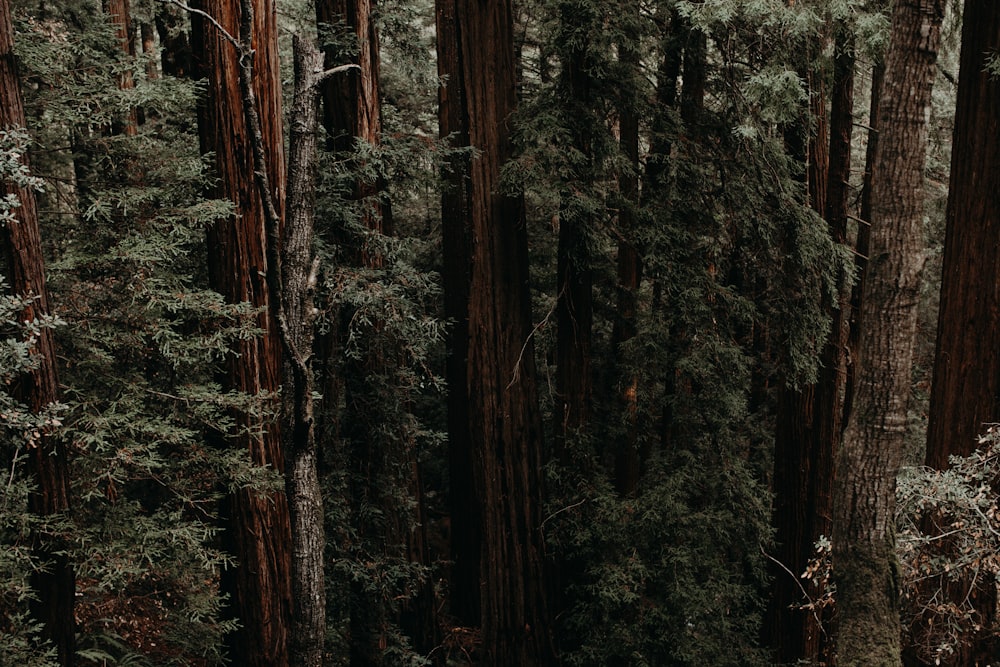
[[295, 294], [258, 526], [55, 583], [864, 511], [499, 379]]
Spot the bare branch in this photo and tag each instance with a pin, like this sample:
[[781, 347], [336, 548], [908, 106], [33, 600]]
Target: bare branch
[[225, 33], [326, 74]]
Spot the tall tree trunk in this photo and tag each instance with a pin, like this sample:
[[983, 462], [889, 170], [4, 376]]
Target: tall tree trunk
[[353, 114], [258, 531], [864, 511], [296, 324], [54, 584], [805, 448], [504, 422], [965, 393], [465, 506]]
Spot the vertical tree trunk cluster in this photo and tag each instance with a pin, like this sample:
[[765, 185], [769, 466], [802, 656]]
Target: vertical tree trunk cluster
[[864, 510], [54, 582], [810, 421], [504, 423], [258, 526]]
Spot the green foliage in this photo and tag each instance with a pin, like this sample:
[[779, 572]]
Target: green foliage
[[948, 545]]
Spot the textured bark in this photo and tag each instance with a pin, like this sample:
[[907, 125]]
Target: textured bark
[[296, 325], [503, 414], [258, 530], [54, 585], [864, 510], [810, 423], [464, 502], [965, 394], [863, 242], [121, 19], [176, 52]]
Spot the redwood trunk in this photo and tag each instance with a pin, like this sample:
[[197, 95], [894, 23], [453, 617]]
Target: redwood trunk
[[121, 19], [811, 422], [864, 511], [258, 529], [54, 585], [965, 394], [503, 414], [464, 502]]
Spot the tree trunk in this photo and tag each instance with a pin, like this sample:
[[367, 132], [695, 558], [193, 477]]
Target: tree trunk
[[503, 413], [465, 509], [965, 394], [864, 511], [805, 448], [258, 529], [295, 294], [54, 584], [118, 12]]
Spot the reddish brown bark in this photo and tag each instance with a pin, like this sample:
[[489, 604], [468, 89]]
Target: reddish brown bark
[[25, 270], [504, 421], [258, 529], [810, 421], [965, 393], [352, 109], [119, 14]]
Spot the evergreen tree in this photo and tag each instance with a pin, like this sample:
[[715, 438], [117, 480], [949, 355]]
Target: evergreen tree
[[37, 385], [258, 530], [496, 372]]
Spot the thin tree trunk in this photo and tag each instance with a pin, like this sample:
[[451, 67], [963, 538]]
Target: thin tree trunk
[[499, 378], [965, 393], [864, 511], [54, 584], [295, 294], [258, 527]]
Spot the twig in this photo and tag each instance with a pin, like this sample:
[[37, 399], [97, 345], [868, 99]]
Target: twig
[[812, 603]]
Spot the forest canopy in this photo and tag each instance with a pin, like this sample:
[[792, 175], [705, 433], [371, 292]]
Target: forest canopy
[[523, 332]]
